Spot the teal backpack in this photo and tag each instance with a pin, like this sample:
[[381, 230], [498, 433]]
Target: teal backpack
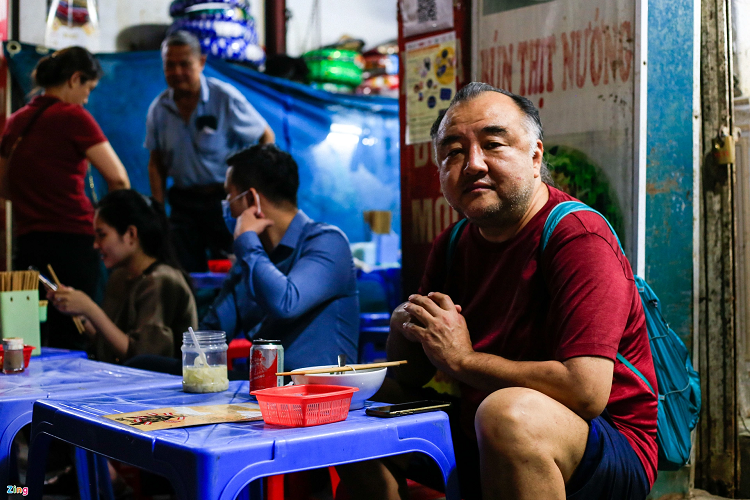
[[679, 400]]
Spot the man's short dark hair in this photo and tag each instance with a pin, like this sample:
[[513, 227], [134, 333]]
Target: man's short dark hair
[[181, 38], [531, 117], [475, 89], [268, 169]]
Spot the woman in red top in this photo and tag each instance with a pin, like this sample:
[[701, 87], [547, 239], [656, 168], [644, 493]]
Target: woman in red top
[[44, 155]]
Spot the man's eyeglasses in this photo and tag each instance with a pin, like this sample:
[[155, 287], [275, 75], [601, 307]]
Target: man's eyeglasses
[[232, 200]]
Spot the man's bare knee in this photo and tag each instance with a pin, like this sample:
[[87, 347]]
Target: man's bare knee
[[507, 418], [519, 425]]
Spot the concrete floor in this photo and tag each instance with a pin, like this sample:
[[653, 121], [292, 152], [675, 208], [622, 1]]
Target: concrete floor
[[696, 495]]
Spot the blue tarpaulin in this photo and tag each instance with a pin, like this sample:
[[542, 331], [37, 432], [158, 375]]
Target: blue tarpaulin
[[347, 147]]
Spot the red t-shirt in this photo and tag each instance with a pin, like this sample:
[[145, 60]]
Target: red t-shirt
[[47, 172], [578, 299]]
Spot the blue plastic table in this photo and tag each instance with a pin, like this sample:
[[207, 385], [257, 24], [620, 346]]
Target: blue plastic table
[[63, 376], [215, 462], [54, 352]]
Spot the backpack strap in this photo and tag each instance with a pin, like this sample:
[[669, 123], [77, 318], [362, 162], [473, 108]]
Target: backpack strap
[[561, 210], [635, 370], [554, 217], [456, 232]]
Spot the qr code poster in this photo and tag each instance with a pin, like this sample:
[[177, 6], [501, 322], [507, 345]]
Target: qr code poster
[[425, 16], [430, 71]]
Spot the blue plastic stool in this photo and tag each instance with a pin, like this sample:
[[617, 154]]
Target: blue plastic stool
[[373, 333], [385, 286], [372, 343]]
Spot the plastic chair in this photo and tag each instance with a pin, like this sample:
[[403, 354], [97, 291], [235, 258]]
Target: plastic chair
[[238, 348]]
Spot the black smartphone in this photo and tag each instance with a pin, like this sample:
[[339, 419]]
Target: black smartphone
[[406, 408]]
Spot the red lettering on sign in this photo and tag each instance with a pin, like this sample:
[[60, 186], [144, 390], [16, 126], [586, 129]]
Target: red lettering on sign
[[536, 75], [550, 48], [507, 76], [626, 40], [497, 66], [599, 53], [581, 39], [596, 59], [522, 49], [567, 61]]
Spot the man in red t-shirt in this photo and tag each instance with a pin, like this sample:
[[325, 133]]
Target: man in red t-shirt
[[531, 337]]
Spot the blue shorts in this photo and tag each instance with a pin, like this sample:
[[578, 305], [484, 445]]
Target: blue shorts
[[609, 469]]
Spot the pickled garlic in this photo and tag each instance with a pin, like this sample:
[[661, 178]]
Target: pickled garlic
[[201, 378]]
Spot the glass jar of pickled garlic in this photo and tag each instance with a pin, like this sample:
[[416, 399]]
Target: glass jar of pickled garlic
[[204, 367]]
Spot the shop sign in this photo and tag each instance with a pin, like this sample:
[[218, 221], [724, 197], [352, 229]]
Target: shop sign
[[574, 59]]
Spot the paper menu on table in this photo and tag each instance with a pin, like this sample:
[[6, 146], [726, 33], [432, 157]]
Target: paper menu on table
[[187, 416]]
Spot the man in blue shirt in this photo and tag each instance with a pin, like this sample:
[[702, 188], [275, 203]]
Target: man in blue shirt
[[191, 129], [294, 278]]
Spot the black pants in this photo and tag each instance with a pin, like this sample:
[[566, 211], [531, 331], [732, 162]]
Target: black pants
[[76, 264], [198, 229]]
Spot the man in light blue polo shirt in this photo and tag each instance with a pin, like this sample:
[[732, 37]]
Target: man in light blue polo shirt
[[191, 130]]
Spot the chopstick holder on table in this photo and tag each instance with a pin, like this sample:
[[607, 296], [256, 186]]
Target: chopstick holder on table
[[347, 368], [19, 307], [76, 319]]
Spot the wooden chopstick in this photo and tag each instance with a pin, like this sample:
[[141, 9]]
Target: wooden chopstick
[[76, 319], [347, 368]]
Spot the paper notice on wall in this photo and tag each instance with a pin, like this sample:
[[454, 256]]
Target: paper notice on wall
[[187, 416], [425, 16], [430, 69]]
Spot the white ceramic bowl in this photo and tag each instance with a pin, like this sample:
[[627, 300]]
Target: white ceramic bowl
[[368, 382]]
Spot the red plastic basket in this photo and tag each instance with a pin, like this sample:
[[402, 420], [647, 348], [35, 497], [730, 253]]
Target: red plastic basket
[[26, 355], [304, 405]]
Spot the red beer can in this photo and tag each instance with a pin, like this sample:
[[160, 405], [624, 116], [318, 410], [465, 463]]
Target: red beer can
[[266, 359]]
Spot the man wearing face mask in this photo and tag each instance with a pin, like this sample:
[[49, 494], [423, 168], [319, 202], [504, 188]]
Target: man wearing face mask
[[294, 278]]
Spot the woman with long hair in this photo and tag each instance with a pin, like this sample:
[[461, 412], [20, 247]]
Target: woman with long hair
[[44, 155], [148, 303]]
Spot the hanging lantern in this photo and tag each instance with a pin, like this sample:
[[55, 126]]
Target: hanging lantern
[[73, 22]]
